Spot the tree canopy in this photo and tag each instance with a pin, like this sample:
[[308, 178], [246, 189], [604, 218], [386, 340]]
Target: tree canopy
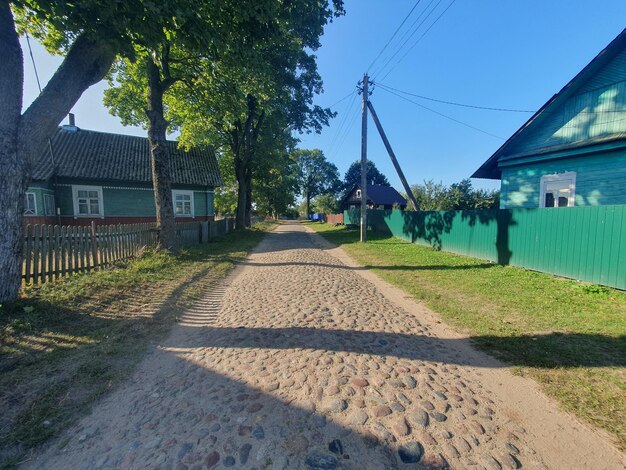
[[316, 175], [353, 175], [433, 196]]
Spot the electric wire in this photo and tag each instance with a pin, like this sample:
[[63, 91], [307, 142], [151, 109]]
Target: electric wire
[[342, 124], [443, 115], [342, 99], [419, 39], [489, 108], [413, 30], [393, 35], [342, 141], [32, 58]]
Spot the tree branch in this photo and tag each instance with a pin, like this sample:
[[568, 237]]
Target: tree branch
[[85, 64]]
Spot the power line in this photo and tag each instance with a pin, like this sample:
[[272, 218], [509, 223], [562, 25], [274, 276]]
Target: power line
[[393, 35], [342, 123], [412, 30], [347, 132], [443, 115], [488, 108], [342, 99], [420, 38]]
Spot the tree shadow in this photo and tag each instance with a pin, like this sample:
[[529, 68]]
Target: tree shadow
[[435, 267], [431, 227], [542, 350], [193, 412], [504, 221]]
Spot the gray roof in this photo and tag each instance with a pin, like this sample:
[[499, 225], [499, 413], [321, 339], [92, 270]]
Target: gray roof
[[99, 155], [379, 195]]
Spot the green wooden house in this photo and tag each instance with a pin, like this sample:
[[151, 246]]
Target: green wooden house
[[87, 176], [572, 152]]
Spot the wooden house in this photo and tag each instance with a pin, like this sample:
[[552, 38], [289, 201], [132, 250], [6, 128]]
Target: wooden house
[[107, 178], [572, 152], [378, 197]]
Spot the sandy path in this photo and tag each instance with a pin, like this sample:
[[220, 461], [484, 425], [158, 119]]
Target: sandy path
[[302, 360]]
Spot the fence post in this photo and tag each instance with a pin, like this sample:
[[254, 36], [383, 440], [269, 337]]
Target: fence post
[[94, 247]]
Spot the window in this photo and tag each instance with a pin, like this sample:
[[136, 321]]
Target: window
[[87, 201], [48, 204], [358, 194], [558, 190], [30, 204], [183, 203]]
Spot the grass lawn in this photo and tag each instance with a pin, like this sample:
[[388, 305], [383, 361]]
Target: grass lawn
[[568, 336], [66, 343]]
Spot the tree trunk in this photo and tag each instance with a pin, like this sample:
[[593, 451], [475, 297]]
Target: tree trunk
[[23, 138], [308, 204], [242, 195], [243, 145], [249, 198], [159, 157], [11, 166]]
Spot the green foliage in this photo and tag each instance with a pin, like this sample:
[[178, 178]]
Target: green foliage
[[273, 79], [325, 204], [57, 23], [316, 174], [353, 176], [432, 196]]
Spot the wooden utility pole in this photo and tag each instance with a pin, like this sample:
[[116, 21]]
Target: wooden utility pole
[[364, 159], [383, 136]]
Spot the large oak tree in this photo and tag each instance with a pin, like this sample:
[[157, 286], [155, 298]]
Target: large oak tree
[[233, 100]]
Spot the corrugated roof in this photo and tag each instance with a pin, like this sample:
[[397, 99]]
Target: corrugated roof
[[100, 155]]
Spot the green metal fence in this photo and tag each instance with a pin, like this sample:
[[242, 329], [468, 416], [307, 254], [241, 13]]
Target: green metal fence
[[586, 243]]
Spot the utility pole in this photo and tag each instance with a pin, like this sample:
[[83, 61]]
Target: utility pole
[[392, 155], [364, 159]]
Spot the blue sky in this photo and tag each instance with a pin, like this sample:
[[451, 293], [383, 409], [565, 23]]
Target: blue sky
[[494, 53]]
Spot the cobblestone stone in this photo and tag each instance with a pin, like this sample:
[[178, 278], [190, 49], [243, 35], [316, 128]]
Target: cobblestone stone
[[304, 365]]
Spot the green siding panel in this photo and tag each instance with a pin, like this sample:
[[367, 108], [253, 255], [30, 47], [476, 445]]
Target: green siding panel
[[600, 180], [199, 204], [584, 243], [39, 190], [120, 198], [597, 110]]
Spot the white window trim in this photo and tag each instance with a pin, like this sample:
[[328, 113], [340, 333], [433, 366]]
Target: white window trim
[[34, 200], [75, 190], [358, 194], [183, 192], [49, 195], [567, 176]]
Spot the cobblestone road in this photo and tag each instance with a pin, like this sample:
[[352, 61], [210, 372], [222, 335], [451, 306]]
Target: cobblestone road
[[298, 362]]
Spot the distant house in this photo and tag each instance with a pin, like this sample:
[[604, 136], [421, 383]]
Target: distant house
[[572, 152], [107, 178], [378, 197]]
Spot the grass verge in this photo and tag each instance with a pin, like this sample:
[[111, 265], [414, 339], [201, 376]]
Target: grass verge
[[568, 336], [66, 343]]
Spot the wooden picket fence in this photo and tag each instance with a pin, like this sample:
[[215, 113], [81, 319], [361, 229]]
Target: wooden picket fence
[[52, 251]]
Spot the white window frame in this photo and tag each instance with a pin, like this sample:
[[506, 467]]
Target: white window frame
[[75, 190], [51, 196], [358, 194], [176, 192], [27, 212], [567, 177]]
